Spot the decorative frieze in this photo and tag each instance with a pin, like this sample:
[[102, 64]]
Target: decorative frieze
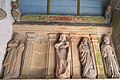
[[49, 55]]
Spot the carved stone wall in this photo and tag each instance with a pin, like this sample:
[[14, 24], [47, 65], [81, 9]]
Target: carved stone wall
[[40, 60]]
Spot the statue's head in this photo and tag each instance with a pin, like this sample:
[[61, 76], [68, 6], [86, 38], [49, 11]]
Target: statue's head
[[85, 40], [63, 37], [16, 37], [106, 39], [109, 8]]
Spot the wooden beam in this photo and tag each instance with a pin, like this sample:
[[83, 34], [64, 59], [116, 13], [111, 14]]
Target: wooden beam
[[48, 6], [78, 7]]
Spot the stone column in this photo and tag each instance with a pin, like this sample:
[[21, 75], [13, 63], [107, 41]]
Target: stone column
[[51, 56], [27, 56], [98, 57], [75, 58]]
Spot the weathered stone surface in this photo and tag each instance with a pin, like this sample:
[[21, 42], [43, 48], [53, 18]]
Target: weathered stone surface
[[76, 73], [38, 60], [51, 57], [38, 73], [40, 48], [42, 58], [116, 40]]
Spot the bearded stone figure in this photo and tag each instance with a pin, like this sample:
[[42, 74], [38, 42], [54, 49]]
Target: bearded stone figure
[[63, 57], [109, 59], [12, 61], [87, 66]]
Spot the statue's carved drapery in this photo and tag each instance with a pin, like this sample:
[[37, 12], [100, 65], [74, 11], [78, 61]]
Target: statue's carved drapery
[[63, 52], [12, 63], [86, 59], [109, 58]]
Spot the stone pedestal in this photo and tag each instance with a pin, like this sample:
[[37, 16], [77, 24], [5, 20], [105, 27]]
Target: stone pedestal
[[75, 58], [51, 57], [27, 57]]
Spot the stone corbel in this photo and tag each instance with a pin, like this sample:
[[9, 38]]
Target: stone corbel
[[15, 10]]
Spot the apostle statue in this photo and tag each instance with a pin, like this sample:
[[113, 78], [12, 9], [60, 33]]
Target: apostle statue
[[63, 57], [12, 63], [109, 58], [86, 59]]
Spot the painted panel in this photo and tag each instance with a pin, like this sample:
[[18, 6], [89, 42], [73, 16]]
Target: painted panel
[[33, 6], [64, 7], [92, 7]]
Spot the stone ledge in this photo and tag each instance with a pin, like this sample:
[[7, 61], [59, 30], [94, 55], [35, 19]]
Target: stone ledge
[[63, 18]]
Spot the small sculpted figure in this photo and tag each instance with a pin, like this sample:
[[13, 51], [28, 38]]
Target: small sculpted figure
[[63, 57], [108, 14], [109, 58], [15, 10], [12, 61], [87, 66]]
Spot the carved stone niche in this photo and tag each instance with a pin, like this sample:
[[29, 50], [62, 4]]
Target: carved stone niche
[[39, 57], [87, 57]]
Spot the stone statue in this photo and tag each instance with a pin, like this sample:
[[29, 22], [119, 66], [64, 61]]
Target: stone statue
[[63, 57], [87, 66], [15, 10], [12, 61], [108, 14], [109, 58]]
